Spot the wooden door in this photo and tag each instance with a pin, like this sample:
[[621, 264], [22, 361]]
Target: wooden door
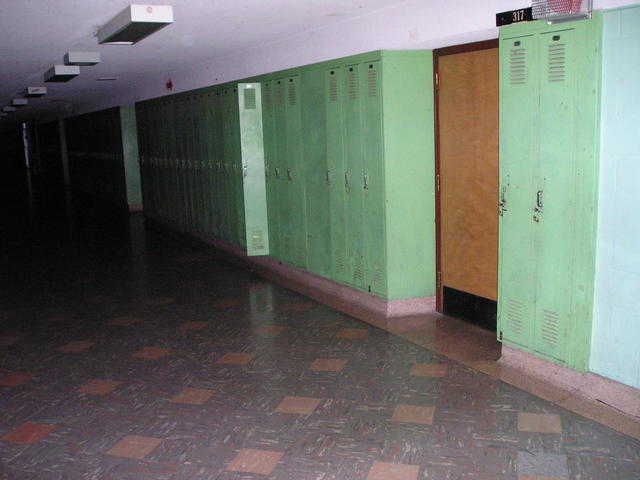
[[467, 92]]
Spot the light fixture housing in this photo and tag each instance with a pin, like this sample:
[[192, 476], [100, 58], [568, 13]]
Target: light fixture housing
[[9, 109], [35, 91], [83, 59], [61, 73], [107, 79], [135, 23], [19, 102]]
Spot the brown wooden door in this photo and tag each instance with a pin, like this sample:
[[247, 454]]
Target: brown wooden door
[[468, 171]]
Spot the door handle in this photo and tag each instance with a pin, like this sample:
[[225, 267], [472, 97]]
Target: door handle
[[289, 174], [366, 181], [277, 171], [328, 177], [346, 179]]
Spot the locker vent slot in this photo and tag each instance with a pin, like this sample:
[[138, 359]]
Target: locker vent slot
[[257, 240], [557, 62], [287, 246], [550, 328], [358, 270], [372, 82], [378, 276], [333, 89], [518, 66], [515, 312], [339, 261], [293, 94], [249, 98], [352, 84], [280, 95]]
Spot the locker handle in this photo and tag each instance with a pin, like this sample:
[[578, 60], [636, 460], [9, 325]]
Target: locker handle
[[244, 171], [366, 181], [328, 177], [277, 171], [538, 201], [289, 176], [346, 179], [503, 201]]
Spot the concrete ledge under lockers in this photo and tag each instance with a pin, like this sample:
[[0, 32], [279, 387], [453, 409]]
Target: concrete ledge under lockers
[[359, 304]]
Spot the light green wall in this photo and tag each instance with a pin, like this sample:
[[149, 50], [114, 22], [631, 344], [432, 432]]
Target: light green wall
[[615, 347]]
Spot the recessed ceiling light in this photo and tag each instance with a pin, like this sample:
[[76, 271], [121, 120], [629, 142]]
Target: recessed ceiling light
[[61, 73], [9, 109], [35, 91], [107, 79], [135, 23], [85, 59], [19, 102]]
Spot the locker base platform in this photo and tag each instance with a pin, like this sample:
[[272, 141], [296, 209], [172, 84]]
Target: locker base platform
[[587, 385], [397, 314]]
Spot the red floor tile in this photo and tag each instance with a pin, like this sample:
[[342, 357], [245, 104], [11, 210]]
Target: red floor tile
[[75, 347], [124, 321], [193, 326], [352, 333], [259, 462], [8, 340], [298, 405], [235, 358], [15, 378], [413, 414], [295, 307], [193, 396], [269, 330], [393, 471], [151, 353], [160, 301], [28, 433], [134, 446], [99, 387], [226, 303], [328, 365], [435, 370]]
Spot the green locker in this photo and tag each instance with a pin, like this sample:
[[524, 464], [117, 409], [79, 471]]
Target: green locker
[[270, 163], [241, 236], [281, 173], [354, 176], [335, 172], [549, 102], [373, 182], [295, 180]]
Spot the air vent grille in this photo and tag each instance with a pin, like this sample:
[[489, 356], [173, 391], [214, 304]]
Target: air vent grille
[[352, 84], [333, 88], [293, 94], [557, 62], [518, 66], [249, 98], [372, 82], [515, 313], [550, 328]]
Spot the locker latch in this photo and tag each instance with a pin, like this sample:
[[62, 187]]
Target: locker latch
[[538, 208], [503, 201], [328, 177], [289, 176], [366, 182]]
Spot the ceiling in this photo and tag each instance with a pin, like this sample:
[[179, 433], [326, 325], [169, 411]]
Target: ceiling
[[35, 34]]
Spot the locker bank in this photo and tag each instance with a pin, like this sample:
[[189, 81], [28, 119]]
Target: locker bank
[[347, 241]]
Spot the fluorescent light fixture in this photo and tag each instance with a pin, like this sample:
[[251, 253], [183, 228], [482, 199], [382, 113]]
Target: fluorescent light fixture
[[107, 79], [61, 73], [135, 23], [84, 59], [19, 102], [35, 91], [9, 109]]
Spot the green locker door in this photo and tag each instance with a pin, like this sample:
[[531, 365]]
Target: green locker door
[[254, 185], [232, 219], [518, 171], [220, 166], [280, 169], [241, 235], [270, 162], [334, 88], [208, 128], [295, 179], [354, 177], [555, 193], [374, 230]]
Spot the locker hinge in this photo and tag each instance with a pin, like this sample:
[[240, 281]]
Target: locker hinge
[[500, 337], [438, 182], [439, 280]]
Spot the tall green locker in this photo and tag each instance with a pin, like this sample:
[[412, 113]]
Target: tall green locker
[[270, 165], [549, 100]]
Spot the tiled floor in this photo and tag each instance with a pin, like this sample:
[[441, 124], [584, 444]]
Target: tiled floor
[[126, 355]]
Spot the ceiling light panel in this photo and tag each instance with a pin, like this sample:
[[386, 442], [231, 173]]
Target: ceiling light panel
[[135, 23], [84, 59], [19, 102], [61, 73], [35, 91], [9, 109]]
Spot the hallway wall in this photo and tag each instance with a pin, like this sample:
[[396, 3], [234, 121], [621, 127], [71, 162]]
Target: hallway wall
[[616, 330], [414, 24]]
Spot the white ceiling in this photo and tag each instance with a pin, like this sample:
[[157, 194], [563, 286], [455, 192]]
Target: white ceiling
[[35, 34]]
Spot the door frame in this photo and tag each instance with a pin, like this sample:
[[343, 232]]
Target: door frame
[[437, 53]]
